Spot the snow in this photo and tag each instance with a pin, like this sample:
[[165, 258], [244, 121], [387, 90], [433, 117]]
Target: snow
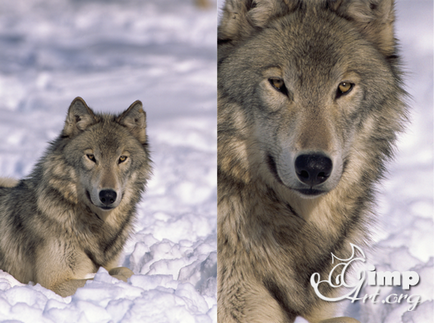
[[163, 52]]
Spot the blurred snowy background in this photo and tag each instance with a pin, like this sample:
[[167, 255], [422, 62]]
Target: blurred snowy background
[[163, 52], [112, 53]]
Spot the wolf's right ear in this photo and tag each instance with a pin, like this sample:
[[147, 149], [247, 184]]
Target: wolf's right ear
[[243, 17], [374, 19], [79, 117], [134, 119]]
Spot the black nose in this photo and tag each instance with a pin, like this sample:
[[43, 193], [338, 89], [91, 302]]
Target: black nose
[[313, 169], [107, 197]]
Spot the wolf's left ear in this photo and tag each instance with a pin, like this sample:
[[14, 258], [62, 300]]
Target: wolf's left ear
[[79, 117], [134, 118], [374, 19]]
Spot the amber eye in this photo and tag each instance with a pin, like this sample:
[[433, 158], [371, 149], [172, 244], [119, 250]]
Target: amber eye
[[344, 88], [122, 159], [278, 84], [91, 157]]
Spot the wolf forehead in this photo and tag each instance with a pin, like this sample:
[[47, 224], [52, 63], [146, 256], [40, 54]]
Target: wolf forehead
[[327, 48], [107, 135]]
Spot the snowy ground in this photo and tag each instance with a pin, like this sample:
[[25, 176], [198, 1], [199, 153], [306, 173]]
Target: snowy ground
[[112, 53], [163, 52]]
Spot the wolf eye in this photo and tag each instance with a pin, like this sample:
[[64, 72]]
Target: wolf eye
[[122, 159], [344, 88], [91, 157], [278, 84]]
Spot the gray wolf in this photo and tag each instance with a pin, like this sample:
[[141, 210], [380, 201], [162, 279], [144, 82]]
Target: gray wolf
[[74, 212], [310, 100]]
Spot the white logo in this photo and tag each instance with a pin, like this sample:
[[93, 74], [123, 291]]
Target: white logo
[[406, 279]]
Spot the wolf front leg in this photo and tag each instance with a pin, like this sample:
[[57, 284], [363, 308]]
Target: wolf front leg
[[69, 287], [121, 273], [248, 302]]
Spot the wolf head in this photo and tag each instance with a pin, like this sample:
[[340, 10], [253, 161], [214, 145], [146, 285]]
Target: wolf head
[[309, 91], [104, 158]]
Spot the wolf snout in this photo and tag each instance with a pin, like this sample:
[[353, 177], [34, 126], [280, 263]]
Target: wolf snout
[[107, 197], [313, 169]]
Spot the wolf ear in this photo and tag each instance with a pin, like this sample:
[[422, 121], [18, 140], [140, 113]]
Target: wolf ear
[[243, 17], [134, 118], [79, 117], [374, 19]]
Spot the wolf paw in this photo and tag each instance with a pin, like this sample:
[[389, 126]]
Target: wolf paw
[[342, 319], [121, 273]]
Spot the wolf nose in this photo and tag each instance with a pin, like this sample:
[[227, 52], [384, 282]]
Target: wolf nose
[[313, 169], [107, 197]]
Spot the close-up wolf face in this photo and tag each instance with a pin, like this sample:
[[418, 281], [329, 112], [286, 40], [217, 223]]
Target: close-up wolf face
[[309, 84]]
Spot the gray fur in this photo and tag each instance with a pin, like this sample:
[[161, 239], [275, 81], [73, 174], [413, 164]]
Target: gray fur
[[274, 231]]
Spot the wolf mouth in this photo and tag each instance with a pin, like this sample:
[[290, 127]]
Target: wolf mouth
[[310, 191], [106, 207]]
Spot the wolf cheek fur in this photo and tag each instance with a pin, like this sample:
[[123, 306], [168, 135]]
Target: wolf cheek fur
[[75, 211], [310, 100]]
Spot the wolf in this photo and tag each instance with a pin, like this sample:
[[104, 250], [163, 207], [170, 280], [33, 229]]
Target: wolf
[[310, 102], [76, 209]]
